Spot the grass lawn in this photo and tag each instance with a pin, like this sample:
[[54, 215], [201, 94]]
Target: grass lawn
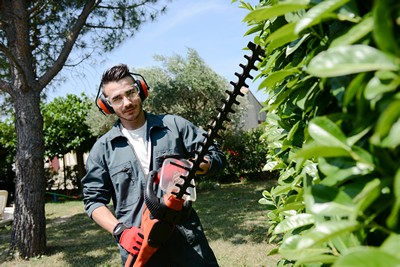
[[234, 222]]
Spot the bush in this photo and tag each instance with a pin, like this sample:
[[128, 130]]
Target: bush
[[246, 155], [332, 79]]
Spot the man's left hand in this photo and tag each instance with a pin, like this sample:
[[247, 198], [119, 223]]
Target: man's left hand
[[204, 166]]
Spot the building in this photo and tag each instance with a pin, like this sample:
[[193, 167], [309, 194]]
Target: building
[[253, 116]]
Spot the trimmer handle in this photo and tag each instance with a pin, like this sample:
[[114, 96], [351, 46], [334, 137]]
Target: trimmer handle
[[168, 208]]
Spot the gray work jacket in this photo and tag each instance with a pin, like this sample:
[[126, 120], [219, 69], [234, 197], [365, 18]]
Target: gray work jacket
[[114, 172]]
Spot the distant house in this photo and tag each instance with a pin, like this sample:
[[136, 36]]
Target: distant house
[[253, 116]]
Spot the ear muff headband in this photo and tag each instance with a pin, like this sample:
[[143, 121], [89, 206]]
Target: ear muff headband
[[141, 83]]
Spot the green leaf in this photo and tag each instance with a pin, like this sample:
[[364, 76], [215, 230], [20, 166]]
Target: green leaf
[[329, 202], [393, 139], [358, 136], [362, 156], [292, 47], [289, 249], [367, 257], [273, 165], [355, 33], [316, 259], [383, 30], [255, 29], [281, 32], [333, 178], [323, 232], [376, 88], [286, 37], [368, 195], [393, 219], [318, 12], [294, 222], [273, 251], [326, 132], [386, 124], [293, 131], [281, 189], [344, 60], [314, 151], [266, 194], [280, 9], [277, 76], [287, 173], [295, 206], [343, 242], [392, 245], [269, 205], [264, 201]]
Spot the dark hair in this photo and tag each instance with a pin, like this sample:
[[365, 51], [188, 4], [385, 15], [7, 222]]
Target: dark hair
[[115, 73]]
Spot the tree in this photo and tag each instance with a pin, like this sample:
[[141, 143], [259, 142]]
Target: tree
[[332, 76], [37, 38], [65, 129], [187, 87]]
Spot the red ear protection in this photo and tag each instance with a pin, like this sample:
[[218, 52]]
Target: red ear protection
[[103, 105], [143, 88]]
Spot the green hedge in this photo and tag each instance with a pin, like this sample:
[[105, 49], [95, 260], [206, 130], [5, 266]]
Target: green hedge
[[331, 73]]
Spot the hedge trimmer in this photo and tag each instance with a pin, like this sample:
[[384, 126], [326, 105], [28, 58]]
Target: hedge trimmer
[[161, 215]]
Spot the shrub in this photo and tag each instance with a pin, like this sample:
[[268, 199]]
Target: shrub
[[332, 78], [245, 153]]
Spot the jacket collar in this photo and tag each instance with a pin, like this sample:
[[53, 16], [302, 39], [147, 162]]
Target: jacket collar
[[152, 121]]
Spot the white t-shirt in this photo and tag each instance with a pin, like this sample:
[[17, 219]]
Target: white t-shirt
[[137, 139]]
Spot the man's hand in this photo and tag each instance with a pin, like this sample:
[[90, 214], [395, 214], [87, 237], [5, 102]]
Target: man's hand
[[131, 240], [204, 166]]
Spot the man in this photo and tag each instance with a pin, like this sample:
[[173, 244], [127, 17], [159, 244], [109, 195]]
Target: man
[[119, 162]]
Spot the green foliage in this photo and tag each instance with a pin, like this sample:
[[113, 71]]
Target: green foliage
[[64, 125], [7, 149], [8, 137], [97, 122], [186, 87], [245, 153], [331, 73]]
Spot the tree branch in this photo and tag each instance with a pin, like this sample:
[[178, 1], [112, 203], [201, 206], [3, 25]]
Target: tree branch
[[101, 27], [144, 2], [69, 43], [5, 87], [15, 29], [37, 8]]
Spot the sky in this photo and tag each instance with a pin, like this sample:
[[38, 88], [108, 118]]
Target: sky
[[214, 28]]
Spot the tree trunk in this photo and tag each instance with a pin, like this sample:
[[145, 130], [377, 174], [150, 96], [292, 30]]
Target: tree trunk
[[29, 231], [81, 169], [65, 174]]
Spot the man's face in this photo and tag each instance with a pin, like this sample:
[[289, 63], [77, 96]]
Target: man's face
[[124, 98]]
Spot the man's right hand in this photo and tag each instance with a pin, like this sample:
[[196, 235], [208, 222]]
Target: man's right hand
[[131, 240]]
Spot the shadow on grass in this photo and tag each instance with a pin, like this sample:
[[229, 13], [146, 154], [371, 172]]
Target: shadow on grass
[[80, 241], [71, 241], [232, 213]]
